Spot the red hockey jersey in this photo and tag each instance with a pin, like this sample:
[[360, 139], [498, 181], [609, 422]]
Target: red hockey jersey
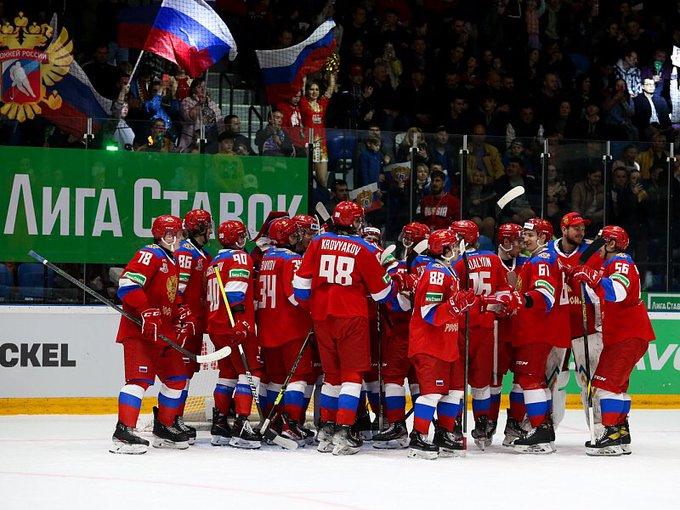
[[236, 271], [439, 212], [193, 262], [511, 268], [150, 280], [434, 330], [337, 273], [624, 315], [279, 317]]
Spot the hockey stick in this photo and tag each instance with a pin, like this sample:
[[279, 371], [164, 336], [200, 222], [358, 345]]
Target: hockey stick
[[201, 358], [467, 344], [273, 412], [242, 354], [420, 247], [322, 212], [508, 197], [380, 378]]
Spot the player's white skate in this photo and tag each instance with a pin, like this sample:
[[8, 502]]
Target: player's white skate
[[324, 437], [345, 442]]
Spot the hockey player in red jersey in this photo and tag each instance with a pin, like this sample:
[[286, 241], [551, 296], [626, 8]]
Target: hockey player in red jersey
[[569, 248], [148, 289], [308, 227], [236, 271], [538, 288], [193, 261], [626, 333], [338, 271], [433, 348], [509, 251], [486, 277], [283, 326]]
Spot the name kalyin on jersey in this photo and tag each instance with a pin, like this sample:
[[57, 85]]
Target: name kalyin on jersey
[[279, 317], [337, 271], [149, 280], [434, 330], [193, 263], [236, 271]]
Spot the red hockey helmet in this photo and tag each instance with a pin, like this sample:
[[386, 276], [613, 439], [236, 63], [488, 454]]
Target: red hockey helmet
[[197, 221], [413, 233], [540, 226], [232, 233], [508, 231], [612, 232], [371, 234], [441, 239], [346, 213], [309, 224], [164, 224], [281, 229], [467, 229]]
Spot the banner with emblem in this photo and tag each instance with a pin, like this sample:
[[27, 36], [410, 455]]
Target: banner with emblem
[[97, 206]]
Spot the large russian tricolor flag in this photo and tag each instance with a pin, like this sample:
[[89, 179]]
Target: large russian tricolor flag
[[190, 34], [283, 70], [79, 101]]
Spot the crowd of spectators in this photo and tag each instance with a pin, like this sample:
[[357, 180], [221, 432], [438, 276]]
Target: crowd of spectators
[[420, 74]]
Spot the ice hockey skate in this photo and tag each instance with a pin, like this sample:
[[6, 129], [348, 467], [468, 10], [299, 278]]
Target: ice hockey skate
[[345, 441], [324, 437], [165, 436], [607, 442], [538, 440], [190, 431], [450, 444], [482, 433], [220, 431], [393, 437], [624, 430], [420, 448], [243, 435], [126, 441]]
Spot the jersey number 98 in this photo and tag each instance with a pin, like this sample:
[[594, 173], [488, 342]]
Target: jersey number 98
[[336, 269]]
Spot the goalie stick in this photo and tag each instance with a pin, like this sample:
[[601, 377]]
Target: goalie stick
[[277, 439], [200, 358]]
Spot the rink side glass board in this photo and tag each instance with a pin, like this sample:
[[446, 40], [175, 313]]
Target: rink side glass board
[[95, 206], [46, 352]]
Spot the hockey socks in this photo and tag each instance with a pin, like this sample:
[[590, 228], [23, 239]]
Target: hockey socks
[[626, 408], [536, 405], [130, 403], [424, 412], [294, 401], [517, 407], [481, 402], [224, 390], [185, 394], [243, 395], [495, 406], [612, 406], [272, 392], [328, 403], [395, 402], [348, 403], [448, 409], [170, 399]]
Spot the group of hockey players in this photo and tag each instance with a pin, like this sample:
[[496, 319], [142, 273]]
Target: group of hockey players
[[326, 305]]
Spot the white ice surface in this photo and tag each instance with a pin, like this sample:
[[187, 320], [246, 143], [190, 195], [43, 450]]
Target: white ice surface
[[63, 462]]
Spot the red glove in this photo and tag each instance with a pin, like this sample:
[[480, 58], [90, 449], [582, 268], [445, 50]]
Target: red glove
[[184, 332], [512, 302], [151, 323], [587, 275], [461, 301], [491, 303], [240, 331], [405, 282], [183, 313]]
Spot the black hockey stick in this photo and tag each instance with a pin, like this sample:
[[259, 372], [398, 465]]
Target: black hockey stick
[[467, 344], [201, 358], [380, 377]]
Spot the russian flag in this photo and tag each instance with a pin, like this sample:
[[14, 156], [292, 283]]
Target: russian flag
[[190, 34], [134, 24], [283, 70], [79, 101]]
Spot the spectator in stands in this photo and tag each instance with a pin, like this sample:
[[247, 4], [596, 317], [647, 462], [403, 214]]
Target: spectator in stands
[[313, 108], [226, 145], [383, 97], [549, 98], [523, 207], [413, 138], [618, 110], [371, 162], [650, 108], [122, 134], [102, 75], [479, 198], [653, 157], [198, 109], [591, 127], [158, 106], [628, 158], [439, 209], [517, 150], [232, 126], [157, 139], [292, 124], [565, 123], [272, 140], [422, 183], [491, 117], [556, 197], [627, 70], [442, 151], [457, 122], [527, 128], [339, 193], [416, 101], [623, 199], [587, 198], [483, 156], [394, 66]]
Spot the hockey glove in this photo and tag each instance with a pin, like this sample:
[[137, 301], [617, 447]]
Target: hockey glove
[[511, 301], [462, 301], [184, 313], [405, 282], [240, 331], [587, 275], [151, 323], [491, 304], [184, 331]]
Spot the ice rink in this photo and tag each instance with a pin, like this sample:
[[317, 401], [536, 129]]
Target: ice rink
[[63, 462]]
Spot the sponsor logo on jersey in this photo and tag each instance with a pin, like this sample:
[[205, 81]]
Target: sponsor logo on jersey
[[450, 327], [544, 255], [239, 273], [433, 297], [387, 278]]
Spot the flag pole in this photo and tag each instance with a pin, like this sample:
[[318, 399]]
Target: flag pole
[[134, 69]]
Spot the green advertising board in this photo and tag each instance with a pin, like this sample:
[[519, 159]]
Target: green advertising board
[[97, 206]]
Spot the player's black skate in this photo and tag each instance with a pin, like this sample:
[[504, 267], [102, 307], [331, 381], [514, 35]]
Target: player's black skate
[[125, 441], [243, 435], [420, 448], [538, 440], [191, 431], [624, 431], [450, 444], [346, 441], [513, 430], [220, 430], [607, 443], [324, 437], [363, 426], [393, 437], [168, 436], [291, 430], [481, 433], [310, 436]]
